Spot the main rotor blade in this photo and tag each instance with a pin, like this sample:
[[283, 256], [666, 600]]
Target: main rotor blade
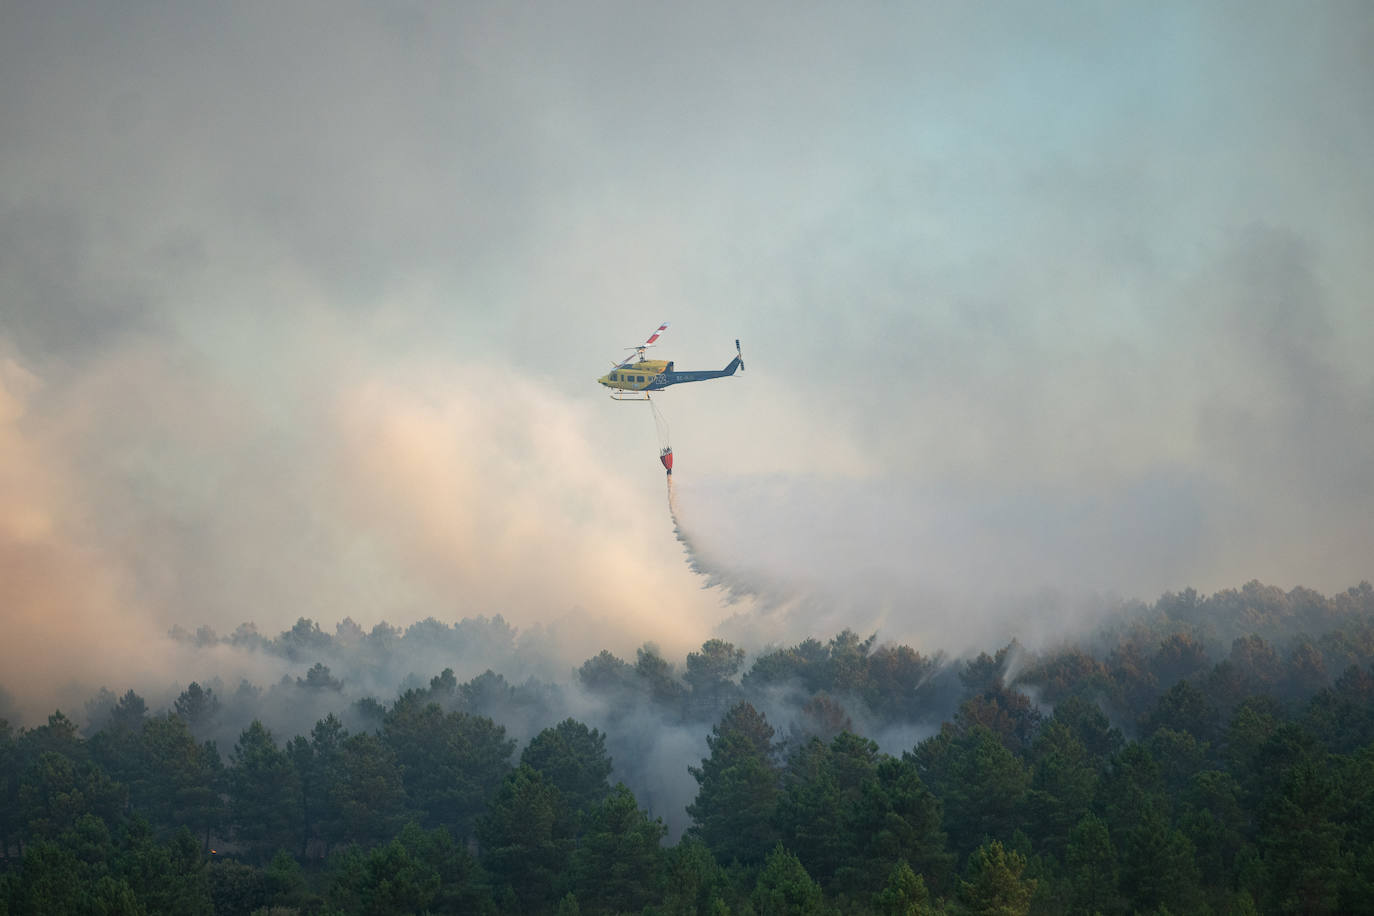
[[639, 349], [654, 336]]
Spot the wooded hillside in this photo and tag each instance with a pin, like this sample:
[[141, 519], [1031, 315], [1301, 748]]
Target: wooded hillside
[[1202, 754]]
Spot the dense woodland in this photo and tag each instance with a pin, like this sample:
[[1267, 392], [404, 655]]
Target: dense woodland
[[1198, 755]]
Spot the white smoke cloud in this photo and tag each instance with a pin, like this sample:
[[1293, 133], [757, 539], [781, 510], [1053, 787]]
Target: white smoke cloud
[[1071, 301]]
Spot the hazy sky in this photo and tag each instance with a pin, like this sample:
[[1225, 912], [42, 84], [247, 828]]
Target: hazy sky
[[301, 308]]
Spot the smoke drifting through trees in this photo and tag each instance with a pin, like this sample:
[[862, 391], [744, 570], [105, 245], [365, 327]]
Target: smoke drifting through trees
[[657, 712], [1243, 727]]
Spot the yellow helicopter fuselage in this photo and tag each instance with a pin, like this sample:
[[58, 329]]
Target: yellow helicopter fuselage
[[639, 376]]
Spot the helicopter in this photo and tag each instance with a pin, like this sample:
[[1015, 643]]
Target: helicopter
[[633, 379]]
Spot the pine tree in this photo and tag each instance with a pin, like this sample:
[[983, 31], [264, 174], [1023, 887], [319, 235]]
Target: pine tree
[[264, 795], [733, 810], [526, 838], [618, 863], [1090, 863], [785, 889], [994, 886], [905, 894], [572, 757]]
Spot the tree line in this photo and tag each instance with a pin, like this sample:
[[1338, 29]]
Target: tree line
[[1170, 762]]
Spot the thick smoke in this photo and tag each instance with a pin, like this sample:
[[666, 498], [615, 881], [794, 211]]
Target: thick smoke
[[382, 496], [1041, 308]]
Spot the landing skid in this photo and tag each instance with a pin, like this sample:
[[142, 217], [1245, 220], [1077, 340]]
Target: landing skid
[[629, 395]]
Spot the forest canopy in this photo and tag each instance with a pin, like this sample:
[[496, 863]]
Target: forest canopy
[[1200, 754]]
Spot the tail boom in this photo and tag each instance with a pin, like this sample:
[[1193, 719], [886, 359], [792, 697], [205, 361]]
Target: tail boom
[[671, 377]]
